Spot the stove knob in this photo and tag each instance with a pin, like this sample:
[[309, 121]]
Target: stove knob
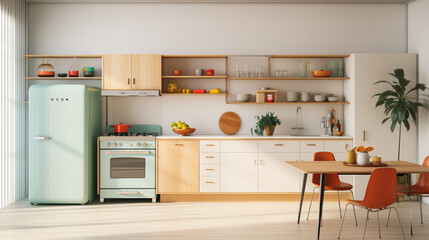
[[149, 144], [114, 144], [120, 144], [131, 144], [144, 144], [138, 144], [108, 144]]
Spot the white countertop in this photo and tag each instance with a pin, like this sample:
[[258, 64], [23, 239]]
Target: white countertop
[[226, 137]]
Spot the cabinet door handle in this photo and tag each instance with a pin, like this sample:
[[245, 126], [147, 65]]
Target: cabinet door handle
[[364, 135], [209, 169], [262, 162], [179, 144], [128, 81], [210, 157], [210, 182], [209, 145], [311, 145], [134, 81], [255, 162], [278, 144]]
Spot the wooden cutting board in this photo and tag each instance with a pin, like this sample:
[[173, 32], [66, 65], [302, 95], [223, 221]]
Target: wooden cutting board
[[229, 123]]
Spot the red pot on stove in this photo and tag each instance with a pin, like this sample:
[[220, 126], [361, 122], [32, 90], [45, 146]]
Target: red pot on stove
[[121, 128]]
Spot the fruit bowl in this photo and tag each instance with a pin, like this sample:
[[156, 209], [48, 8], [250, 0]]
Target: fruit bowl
[[184, 132]]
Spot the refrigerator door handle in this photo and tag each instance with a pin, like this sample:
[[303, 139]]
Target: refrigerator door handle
[[42, 138]]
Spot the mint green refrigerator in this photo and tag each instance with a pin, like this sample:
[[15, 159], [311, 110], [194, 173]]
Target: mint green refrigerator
[[64, 123]]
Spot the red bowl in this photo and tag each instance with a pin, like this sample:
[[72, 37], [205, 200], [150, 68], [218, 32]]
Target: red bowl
[[73, 73]]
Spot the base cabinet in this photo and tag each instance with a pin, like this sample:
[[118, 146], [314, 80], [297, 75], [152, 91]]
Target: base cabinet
[[274, 175], [238, 172], [178, 166]]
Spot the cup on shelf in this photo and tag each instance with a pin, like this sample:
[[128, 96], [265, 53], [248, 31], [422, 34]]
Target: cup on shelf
[[198, 72], [210, 72]]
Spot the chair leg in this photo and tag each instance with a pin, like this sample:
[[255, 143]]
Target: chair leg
[[311, 201], [342, 222], [379, 231], [388, 217], [339, 204], [400, 224], [421, 212], [354, 211], [366, 221]]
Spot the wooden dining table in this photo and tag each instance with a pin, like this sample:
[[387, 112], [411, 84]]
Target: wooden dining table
[[338, 167]]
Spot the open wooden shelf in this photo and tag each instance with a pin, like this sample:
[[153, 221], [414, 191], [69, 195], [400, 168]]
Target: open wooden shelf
[[330, 103], [63, 78], [194, 77], [193, 94], [292, 78], [309, 56], [194, 56], [63, 56]]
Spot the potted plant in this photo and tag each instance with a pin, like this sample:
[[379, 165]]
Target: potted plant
[[267, 122], [400, 104]]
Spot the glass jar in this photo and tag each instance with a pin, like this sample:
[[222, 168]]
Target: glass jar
[[45, 69], [172, 87]]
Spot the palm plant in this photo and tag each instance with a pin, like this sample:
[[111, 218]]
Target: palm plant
[[400, 104]]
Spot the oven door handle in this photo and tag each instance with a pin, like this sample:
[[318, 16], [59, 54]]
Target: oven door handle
[[128, 152], [128, 192]]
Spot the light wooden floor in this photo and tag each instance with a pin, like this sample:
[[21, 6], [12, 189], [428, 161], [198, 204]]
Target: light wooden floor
[[219, 220]]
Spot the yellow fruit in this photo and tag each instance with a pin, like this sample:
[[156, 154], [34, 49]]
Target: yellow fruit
[[179, 122], [173, 124], [184, 127], [179, 125], [175, 127]]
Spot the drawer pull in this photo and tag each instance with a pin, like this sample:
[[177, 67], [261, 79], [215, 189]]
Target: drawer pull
[[209, 145], [278, 145], [209, 169], [128, 81], [311, 145], [210, 157], [210, 182], [134, 80], [178, 144], [255, 162], [128, 192], [262, 163]]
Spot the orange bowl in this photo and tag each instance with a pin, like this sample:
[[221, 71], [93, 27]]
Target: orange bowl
[[184, 132], [177, 72], [321, 73]]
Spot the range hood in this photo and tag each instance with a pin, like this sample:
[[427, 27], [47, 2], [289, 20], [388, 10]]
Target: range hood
[[126, 93]]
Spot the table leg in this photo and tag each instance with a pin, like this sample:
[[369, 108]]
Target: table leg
[[322, 194], [304, 182]]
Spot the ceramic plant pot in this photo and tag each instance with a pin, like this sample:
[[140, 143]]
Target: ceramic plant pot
[[267, 130]]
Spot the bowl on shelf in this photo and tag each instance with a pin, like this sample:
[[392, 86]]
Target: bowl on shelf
[[88, 73], [319, 98], [242, 97], [184, 132], [332, 99], [321, 73], [177, 72], [73, 73], [62, 74]]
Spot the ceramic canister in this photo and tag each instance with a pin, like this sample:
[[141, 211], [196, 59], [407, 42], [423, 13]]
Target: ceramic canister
[[362, 158]]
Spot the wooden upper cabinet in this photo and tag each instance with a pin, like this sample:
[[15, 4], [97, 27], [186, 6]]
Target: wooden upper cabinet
[[131, 71], [178, 166], [146, 71], [116, 71]]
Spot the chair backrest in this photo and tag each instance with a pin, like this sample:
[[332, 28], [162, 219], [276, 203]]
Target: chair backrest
[[381, 189], [423, 179], [330, 179]]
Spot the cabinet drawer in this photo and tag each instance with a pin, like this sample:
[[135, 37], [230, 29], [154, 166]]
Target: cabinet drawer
[[267, 146], [247, 146], [209, 157], [209, 170], [338, 146], [209, 184], [312, 146], [209, 146]]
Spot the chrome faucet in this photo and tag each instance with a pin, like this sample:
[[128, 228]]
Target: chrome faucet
[[298, 120]]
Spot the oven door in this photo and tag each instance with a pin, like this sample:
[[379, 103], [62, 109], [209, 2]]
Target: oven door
[[127, 169]]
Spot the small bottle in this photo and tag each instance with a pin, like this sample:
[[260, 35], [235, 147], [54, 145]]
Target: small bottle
[[335, 131], [338, 125]]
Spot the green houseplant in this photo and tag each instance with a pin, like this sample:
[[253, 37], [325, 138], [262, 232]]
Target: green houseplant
[[399, 105], [267, 122]]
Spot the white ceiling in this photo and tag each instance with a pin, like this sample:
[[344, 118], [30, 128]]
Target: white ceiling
[[236, 1]]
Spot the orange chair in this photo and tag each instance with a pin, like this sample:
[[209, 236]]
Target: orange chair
[[380, 194], [332, 181], [421, 189]]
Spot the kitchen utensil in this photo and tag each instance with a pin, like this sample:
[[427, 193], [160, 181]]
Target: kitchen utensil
[[332, 99], [210, 72], [292, 96], [184, 132], [321, 73], [229, 123], [62, 74], [73, 73], [45, 69], [305, 96], [177, 72], [121, 128], [319, 98], [242, 97]]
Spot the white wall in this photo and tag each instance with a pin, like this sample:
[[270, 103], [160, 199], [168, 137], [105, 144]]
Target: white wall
[[418, 42], [214, 29]]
